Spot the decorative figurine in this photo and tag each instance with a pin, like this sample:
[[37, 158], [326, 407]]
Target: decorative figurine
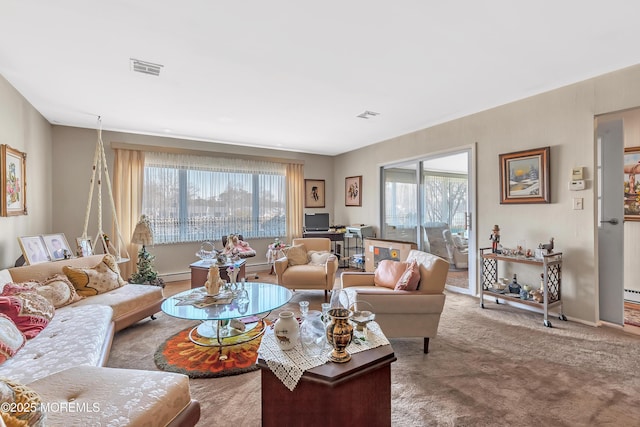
[[547, 246], [495, 239], [214, 282]]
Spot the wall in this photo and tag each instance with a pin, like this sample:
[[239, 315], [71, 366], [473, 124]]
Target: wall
[[24, 129], [73, 155], [562, 119]]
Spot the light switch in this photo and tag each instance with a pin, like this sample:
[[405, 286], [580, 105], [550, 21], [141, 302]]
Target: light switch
[[577, 203]]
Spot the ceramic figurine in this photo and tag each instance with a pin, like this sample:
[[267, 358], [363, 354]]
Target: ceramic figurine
[[495, 239], [214, 282]]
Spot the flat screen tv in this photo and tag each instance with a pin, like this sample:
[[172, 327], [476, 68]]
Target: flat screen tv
[[316, 222]]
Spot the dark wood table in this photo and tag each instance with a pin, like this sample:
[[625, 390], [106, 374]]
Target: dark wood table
[[200, 269], [356, 393]]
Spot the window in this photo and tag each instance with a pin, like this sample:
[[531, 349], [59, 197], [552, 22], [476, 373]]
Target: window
[[194, 198]]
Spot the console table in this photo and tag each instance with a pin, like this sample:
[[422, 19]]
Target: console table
[[354, 393], [200, 269]]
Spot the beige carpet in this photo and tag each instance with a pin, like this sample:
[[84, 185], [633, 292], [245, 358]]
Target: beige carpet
[[493, 367]]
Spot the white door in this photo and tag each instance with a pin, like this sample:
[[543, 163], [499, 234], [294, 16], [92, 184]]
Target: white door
[[610, 151]]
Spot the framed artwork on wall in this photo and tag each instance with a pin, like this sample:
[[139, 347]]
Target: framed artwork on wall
[[353, 191], [57, 246], [33, 249], [524, 177], [14, 197], [314, 193], [631, 185]]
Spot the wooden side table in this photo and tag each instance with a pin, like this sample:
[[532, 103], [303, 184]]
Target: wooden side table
[[200, 269], [354, 393]]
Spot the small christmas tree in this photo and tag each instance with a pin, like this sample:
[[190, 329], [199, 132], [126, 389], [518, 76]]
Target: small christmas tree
[[146, 273]]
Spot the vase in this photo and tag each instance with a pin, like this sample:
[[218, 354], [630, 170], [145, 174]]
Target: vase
[[286, 330], [339, 334], [312, 334]]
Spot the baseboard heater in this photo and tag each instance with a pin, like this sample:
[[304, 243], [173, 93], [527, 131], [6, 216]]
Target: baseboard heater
[[632, 295]]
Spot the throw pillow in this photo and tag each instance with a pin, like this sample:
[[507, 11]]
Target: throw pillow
[[30, 312], [57, 289], [318, 257], [410, 278], [296, 255], [388, 273], [25, 401], [11, 338], [102, 278]]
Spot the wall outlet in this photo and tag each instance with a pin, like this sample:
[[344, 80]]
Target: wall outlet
[[577, 203]]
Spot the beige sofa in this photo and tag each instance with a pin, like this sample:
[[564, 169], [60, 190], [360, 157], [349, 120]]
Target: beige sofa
[[65, 362], [405, 313], [308, 276]]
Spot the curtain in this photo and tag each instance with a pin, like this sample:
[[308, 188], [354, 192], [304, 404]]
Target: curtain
[[128, 180], [295, 200]]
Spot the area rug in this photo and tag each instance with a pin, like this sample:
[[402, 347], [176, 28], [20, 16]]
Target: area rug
[[179, 354]]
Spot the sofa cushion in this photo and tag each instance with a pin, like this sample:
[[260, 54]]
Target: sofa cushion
[[296, 255], [25, 402], [93, 281], [30, 311], [126, 299], [318, 257], [410, 278], [11, 338], [58, 290], [388, 273]]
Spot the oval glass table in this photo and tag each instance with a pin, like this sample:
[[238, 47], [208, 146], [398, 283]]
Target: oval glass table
[[229, 314]]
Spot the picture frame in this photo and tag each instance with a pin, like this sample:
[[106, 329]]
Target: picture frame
[[353, 191], [631, 168], [57, 246], [524, 176], [84, 247], [33, 249], [314, 193], [13, 181]]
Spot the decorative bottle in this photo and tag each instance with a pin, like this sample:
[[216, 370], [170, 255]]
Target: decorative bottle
[[286, 330]]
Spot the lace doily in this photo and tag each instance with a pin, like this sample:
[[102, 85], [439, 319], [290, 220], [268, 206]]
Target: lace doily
[[289, 365]]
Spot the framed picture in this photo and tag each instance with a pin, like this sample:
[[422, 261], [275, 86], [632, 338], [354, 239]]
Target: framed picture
[[84, 246], [33, 249], [57, 246], [314, 193], [524, 176], [14, 198], [353, 191], [631, 185]]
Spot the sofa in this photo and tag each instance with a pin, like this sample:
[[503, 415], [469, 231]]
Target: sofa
[[404, 313], [308, 264], [65, 362]]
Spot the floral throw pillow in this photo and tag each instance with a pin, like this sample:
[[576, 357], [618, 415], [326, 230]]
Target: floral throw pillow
[[27, 404], [102, 278], [30, 312], [57, 289], [11, 338]]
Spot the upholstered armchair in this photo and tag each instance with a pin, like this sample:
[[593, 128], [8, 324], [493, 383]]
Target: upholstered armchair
[[308, 264], [404, 313], [458, 253]]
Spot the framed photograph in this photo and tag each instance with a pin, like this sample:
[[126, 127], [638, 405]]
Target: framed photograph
[[631, 185], [14, 197], [84, 247], [57, 246], [314, 193], [353, 191], [524, 177], [33, 249]]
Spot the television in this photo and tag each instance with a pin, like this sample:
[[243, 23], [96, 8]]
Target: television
[[316, 222]]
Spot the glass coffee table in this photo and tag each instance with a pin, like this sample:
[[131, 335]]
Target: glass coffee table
[[223, 316]]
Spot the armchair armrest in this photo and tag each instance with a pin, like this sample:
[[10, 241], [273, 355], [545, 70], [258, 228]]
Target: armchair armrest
[[280, 265], [352, 278]]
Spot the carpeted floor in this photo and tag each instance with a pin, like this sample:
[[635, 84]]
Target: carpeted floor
[[493, 367]]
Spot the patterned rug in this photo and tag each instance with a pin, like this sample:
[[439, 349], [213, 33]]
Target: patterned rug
[[179, 354]]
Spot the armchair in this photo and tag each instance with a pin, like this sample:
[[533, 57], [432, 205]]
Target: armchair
[[458, 253], [305, 273], [403, 313]]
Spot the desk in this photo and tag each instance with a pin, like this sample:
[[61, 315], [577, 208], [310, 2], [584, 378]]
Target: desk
[[200, 269], [337, 240]]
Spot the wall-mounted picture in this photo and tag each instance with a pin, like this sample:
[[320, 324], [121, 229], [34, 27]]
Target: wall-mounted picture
[[57, 246], [524, 177], [84, 246], [631, 185], [33, 249], [14, 201], [353, 191], [314, 193]]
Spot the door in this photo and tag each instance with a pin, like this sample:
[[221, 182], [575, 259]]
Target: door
[[610, 155]]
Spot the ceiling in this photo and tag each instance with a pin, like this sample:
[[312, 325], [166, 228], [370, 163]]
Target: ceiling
[[294, 75]]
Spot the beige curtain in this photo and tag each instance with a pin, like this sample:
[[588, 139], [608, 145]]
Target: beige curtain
[[128, 176], [295, 200]]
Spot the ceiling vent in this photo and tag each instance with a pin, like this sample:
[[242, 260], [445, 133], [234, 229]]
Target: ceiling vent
[[145, 67], [367, 114]]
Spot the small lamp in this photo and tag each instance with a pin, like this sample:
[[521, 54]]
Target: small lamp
[[142, 235]]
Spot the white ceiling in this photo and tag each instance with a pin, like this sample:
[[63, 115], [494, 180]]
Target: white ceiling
[[293, 75]]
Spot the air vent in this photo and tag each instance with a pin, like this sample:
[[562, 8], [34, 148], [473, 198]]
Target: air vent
[[145, 67], [367, 114]]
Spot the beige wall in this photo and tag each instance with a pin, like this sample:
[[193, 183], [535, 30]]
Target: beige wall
[[73, 155], [24, 129]]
